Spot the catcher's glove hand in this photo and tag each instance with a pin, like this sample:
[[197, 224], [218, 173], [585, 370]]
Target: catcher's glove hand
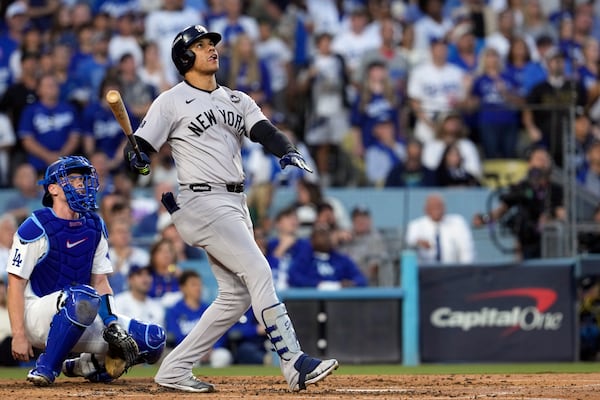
[[123, 351]]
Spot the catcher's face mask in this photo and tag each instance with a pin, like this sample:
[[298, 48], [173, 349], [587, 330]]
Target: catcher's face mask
[[78, 179]]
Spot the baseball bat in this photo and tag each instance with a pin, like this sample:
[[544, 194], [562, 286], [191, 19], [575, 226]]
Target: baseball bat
[[114, 100]]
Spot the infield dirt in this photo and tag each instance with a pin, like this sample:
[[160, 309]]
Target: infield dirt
[[550, 386]]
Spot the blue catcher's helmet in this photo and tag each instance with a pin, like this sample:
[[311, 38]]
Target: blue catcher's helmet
[[81, 199]]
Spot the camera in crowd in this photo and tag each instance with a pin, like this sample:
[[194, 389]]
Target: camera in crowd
[[526, 200]]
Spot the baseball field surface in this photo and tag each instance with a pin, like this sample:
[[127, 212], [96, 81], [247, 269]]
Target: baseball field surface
[[525, 382]]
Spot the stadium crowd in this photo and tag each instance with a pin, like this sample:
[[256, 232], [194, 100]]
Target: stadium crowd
[[375, 93]]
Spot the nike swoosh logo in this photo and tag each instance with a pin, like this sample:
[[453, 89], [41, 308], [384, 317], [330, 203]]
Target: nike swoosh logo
[[71, 245], [189, 101]]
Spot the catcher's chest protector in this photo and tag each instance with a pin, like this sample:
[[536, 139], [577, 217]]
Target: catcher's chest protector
[[72, 245]]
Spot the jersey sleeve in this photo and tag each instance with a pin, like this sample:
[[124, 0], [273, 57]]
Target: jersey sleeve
[[102, 263], [252, 113], [23, 256], [156, 125]]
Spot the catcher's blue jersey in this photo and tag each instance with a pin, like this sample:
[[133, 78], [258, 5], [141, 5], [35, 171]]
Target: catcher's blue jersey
[[71, 248]]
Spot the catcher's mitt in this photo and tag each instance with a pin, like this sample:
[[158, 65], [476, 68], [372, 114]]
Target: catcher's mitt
[[122, 352]]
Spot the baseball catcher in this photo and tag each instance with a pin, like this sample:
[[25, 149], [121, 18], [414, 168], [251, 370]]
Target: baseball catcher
[[59, 298]]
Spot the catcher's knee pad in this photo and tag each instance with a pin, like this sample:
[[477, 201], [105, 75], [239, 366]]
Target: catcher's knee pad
[[150, 338], [280, 331], [81, 304]]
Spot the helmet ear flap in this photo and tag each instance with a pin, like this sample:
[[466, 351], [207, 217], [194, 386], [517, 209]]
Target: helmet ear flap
[[187, 59]]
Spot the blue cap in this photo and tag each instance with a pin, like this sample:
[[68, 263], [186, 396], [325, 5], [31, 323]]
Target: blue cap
[[135, 269], [436, 39]]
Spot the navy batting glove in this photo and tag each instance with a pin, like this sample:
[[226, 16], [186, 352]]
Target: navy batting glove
[[139, 165], [293, 158]]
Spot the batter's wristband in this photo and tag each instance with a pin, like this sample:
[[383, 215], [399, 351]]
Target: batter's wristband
[[107, 309]]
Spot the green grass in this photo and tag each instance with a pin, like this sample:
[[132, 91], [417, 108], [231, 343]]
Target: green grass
[[347, 369]]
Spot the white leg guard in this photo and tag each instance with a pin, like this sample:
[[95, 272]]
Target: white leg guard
[[87, 365], [281, 331], [83, 365], [298, 368]]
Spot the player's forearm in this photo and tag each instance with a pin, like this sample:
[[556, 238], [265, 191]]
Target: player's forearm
[[16, 304], [275, 141], [101, 284], [143, 145]]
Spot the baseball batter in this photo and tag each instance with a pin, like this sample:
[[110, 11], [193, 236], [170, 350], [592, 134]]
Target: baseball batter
[[59, 298], [205, 124]]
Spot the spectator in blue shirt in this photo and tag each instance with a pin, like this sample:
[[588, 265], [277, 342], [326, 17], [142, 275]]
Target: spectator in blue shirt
[[411, 172], [100, 129], [519, 64], [16, 19], [285, 246], [48, 128], [376, 101], [323, 267], [184, 315], [246, 341], [91, 70], [165, 272], [246, 72], [496, 96]]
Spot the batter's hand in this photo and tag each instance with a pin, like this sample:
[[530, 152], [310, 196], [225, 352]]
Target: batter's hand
[[21, 348], [293, 158], [139, 165]]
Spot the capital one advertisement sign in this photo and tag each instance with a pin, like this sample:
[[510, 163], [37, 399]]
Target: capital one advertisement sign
[[499, 313]]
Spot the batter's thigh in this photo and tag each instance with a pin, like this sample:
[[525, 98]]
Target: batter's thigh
[[220, 223], [234, 247]]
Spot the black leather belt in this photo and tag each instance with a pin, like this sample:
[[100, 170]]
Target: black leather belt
[[205, 187]]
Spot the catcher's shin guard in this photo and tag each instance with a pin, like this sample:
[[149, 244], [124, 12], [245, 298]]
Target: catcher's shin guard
[[79, 306], [151, 340]]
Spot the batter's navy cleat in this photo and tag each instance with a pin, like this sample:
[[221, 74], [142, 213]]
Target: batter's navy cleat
[[191, 384], [311, 370], [38, 378]]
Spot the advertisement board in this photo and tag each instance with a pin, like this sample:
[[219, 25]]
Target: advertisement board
[[502, 313]]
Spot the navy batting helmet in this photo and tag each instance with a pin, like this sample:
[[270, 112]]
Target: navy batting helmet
[[80, 199], [181, 54]]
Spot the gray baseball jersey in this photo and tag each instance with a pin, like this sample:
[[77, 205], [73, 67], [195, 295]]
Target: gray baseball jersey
[[205, 131]]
